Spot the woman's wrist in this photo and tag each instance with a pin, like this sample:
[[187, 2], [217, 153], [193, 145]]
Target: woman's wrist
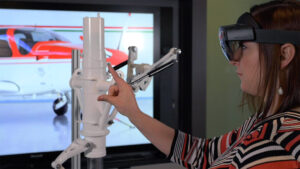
[[134, 116]]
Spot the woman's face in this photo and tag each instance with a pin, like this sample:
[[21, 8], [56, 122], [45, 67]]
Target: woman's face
[[248, 67]]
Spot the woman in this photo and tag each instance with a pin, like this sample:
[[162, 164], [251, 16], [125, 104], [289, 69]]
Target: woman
[[267, 62]]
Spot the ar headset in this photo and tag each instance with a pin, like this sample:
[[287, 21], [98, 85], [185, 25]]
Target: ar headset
[[247, 29]]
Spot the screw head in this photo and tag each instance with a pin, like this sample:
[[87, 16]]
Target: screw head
[[58, 166]]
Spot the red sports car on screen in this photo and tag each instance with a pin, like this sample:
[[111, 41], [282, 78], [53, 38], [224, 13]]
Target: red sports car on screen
[[44, 44]]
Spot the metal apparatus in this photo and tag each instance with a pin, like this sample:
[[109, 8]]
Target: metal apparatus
[[92, 81]]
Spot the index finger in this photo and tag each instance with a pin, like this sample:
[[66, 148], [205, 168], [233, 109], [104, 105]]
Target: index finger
[[114, 73]]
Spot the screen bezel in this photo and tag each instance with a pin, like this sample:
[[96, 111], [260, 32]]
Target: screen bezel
[[147, 152]]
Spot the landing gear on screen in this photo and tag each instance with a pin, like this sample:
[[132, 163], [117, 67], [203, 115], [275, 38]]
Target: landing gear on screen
[[60, 105]]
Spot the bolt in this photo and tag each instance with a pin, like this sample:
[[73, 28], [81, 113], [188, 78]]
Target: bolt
[[110, 122], [178, 51], [58, 166]]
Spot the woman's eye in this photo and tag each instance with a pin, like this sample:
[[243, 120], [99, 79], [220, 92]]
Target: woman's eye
[[243, 46]]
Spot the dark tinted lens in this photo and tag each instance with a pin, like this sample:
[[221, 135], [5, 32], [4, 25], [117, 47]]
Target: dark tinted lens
[[225, 50], [234, 49], [223, 44]]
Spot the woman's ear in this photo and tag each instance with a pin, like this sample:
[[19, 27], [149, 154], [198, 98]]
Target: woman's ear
[[287, 52]]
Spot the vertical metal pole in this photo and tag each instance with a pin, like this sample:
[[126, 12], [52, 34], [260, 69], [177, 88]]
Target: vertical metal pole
[[94, 163], [75, 161]]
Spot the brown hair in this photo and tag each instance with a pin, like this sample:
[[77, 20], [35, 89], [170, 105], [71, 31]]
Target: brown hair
[[282, 15]]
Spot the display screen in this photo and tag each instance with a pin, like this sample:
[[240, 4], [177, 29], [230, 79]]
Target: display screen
[[35, 69]]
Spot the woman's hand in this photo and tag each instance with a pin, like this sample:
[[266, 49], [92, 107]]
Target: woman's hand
[[121, 96]]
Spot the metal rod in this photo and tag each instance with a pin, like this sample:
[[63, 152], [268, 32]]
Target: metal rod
[[153, 72], [94, 163], [76, 160]]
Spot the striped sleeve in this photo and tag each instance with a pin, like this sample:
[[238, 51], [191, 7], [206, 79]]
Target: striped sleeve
[[192, 152], [288, 136]]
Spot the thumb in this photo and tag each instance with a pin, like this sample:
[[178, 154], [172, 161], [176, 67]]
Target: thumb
[[107, 98]]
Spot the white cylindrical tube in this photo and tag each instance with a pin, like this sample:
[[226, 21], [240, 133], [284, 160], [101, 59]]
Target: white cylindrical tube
[[94, 62], [93, 71]]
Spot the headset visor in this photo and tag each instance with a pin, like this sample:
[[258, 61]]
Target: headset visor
[[232, 36]]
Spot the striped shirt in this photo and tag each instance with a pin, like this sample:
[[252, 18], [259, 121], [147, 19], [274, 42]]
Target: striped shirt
[[273, 142]]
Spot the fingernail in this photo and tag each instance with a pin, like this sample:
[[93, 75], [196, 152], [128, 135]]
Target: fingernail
[[100, 98]]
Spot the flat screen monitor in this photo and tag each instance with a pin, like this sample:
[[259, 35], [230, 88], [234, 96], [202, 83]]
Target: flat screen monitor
[[35, 66]]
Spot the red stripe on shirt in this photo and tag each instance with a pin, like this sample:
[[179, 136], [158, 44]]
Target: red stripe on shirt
[[292, 142], [204, 155], [278, 165], [184, 147], [223, 143]]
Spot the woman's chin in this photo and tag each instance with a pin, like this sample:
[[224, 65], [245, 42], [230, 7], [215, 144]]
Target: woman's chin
[[246, 90], [249, 92], [242, 87]]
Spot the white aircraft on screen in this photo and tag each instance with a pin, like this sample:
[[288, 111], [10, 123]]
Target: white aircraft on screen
[[35, 65]]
